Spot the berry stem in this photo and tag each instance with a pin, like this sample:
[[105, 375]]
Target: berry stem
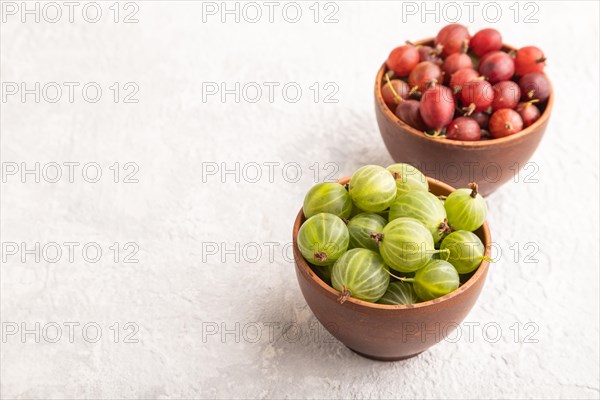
[[321, 256], [392, 275], [407, 279], [474, 189], [445, 251], [378, 237], [396, 95], [344, 295], [431, 83], [464, 46], [487, 259], [540, 60], [444, 228], [470, 109]]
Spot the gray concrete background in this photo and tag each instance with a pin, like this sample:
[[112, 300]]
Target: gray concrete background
[[540, 303]]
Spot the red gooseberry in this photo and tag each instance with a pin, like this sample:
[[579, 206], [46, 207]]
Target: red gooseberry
[[529, 112], [423, 74], [506, 95], [428, 53], [437, 107], [455, 62], [485, 41], [529, 59], [476, 95], [403, 59], [393, 92], [505, 122], [452, 38], [483, 119], [463, 128], [460, 77], [408, 111], [534, 85], [497, 66]]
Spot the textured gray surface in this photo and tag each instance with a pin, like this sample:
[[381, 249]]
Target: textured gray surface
[[174, 297]]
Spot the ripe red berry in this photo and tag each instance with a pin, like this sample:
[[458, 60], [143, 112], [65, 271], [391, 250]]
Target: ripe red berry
[[529, 112], [460, 77], [393, 92], [437, 107], [423, 74], [477, 95], [482, 119], [506, 95], [529, 59], [408, 112], [455, 62], [463, 128], [485, 41], [505, 122], [497, 66], [452, 38], [428, 53], [534, 86], [403, 59]]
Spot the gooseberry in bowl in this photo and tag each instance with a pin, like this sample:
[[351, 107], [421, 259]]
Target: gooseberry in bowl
[[394, 327], [529, 59], [435, 146], [486, 41]]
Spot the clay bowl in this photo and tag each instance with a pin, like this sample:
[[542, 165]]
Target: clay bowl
[[490, 163], [384, 332]]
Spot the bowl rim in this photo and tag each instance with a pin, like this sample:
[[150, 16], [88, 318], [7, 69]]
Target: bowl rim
[[361, 305], [457, 143]]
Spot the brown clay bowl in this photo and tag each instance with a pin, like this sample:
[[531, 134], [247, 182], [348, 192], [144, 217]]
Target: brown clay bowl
[[385, 332], [490, 163]]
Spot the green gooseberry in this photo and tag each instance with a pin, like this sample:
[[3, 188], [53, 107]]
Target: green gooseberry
[[399, 293], [372, 188], [360, 273], [436, 279], [362, 226], [465, 251], [327, 197], [408, 178], [425, 208], [323, 238], [466, 209], [405, 244]]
